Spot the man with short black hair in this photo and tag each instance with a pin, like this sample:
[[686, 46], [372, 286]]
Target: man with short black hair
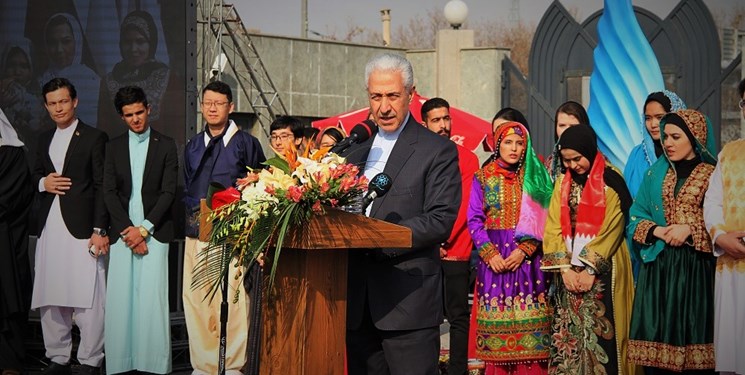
[[140, 175], [286, 131], [69, 283], [221, 153], [456, 251]]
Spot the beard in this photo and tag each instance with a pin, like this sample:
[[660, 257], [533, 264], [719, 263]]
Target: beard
[[444, 132]]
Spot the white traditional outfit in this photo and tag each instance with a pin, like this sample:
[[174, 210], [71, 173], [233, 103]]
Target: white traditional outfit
[[69, 283], [724, 211], [138, 331]]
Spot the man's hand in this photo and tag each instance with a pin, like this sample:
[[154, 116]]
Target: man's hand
[[514, 261], [101, 244], [443, 252], [732, 244], [55, 183], [132, 237], [140, 249]]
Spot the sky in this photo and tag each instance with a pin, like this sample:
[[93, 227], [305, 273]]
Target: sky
[[283, 17]]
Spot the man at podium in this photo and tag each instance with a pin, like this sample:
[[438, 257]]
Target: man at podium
[[394, 305]]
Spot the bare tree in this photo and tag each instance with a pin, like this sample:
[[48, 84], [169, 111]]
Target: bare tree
[[517, 37], [421, 32]]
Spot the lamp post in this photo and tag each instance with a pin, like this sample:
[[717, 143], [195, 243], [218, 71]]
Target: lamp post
[[449, 46], [456, 12]]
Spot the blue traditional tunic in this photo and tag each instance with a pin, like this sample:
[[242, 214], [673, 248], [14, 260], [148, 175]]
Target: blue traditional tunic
[[138, 333], [223, 159]]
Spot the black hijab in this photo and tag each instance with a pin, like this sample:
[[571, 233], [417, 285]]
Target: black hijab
[[582, 138], [683, 168]]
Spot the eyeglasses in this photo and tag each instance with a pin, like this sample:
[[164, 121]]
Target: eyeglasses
[[216, 104], [282, 137], [741, 104]]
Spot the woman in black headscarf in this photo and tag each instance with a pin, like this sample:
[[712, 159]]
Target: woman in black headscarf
[[138, 42], [584, 244]]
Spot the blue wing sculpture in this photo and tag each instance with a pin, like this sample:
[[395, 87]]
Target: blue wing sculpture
[[625, 72]]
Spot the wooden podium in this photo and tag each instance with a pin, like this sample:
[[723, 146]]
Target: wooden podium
[[304, 315]]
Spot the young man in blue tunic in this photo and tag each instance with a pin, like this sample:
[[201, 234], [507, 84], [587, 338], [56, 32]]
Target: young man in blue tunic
[[140, 174], [220, 153]]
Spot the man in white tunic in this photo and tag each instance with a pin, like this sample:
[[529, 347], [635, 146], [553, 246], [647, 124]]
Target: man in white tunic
[[69, 283], [140, 176], [724, 214]]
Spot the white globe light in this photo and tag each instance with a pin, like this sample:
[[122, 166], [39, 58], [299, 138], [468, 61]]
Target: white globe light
[[456, 12]]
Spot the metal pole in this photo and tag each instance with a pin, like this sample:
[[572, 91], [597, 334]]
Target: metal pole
[[223, 317], [304, 20]]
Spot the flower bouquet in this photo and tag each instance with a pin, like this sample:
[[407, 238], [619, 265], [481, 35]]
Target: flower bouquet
[[254, 218]]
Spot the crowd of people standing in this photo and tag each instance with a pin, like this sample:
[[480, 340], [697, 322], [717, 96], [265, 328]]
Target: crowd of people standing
[[581, 268]]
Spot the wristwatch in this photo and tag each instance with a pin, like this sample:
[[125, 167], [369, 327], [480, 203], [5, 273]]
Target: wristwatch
[[143, 232], [100, 232]]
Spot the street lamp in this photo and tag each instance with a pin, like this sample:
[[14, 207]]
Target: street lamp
[[456, 12]]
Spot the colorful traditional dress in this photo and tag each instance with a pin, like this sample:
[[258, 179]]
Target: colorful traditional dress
[[672, 318], [507, 210], [724, 211], [585, 229]]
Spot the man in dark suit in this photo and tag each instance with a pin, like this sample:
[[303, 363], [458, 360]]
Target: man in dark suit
[[140, 175], [69, 276], [394, 305]]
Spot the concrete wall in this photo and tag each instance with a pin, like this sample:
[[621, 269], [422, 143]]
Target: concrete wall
[[321, 78], [316, 78], [481, 86], [424, 63]]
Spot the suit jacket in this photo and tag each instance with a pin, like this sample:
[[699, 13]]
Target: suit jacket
[[158, 184], [404, 286], [82, 206]]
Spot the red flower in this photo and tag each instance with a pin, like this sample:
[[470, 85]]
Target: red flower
[[325, 187], [346, 184], [224, 197], [269, 189], [317, 206], [333, 202], [295, 193]]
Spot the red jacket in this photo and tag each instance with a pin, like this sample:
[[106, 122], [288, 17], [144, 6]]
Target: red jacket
[[459, 244]]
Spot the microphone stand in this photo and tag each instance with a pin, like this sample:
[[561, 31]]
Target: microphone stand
[[223, 316]]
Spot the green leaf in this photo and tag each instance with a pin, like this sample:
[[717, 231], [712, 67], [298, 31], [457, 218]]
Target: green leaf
[[280, 163]]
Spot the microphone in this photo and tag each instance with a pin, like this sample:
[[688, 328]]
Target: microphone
[[360, 133], [379, 185]]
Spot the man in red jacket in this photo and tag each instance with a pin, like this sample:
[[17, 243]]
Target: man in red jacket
[[456, 252]]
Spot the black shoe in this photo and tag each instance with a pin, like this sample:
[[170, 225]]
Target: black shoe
[[89, 370], [55, 368]]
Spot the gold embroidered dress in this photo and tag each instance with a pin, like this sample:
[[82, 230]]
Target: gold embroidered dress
[[672, 317], [585, 233], [724, 211]]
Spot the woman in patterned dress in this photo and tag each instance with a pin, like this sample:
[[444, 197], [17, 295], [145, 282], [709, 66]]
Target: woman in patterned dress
[[584, 244], [672, 324], [506, 215]]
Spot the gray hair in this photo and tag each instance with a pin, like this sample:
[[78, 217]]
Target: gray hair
[[391, 63]]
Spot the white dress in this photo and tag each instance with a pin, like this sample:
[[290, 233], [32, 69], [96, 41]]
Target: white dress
[[724, 211]]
